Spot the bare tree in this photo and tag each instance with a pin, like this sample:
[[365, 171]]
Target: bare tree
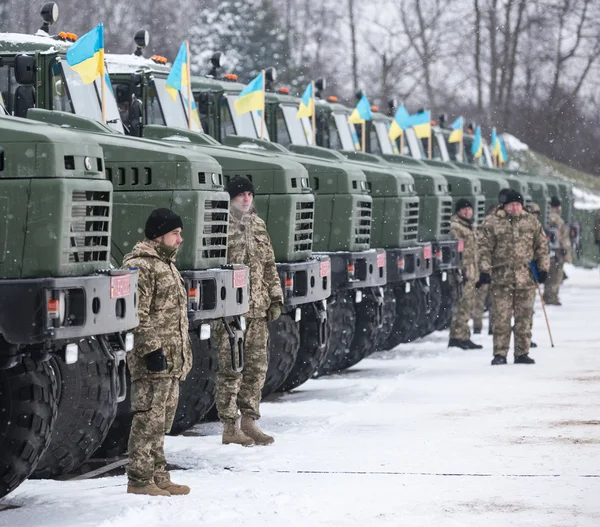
[[353, 45]]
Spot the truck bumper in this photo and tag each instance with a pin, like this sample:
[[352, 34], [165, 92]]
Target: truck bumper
[[307, 281], [409, 263], [358, 270], [448, 255]]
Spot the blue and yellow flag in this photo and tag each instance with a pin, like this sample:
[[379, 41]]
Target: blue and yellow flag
[[252, 97], [503, 152], [457, 131], [362, 112], [195, 116], [307, 103], [421, 123], [399, 123], [178, 78], [496, 148], [477, 146], [86, 55]]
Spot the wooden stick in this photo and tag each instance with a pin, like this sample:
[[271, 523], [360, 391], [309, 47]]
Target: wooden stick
[[545, 314]]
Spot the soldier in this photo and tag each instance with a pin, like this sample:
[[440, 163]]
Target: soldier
[[462, 227], [534, 209], [561, 255], [510, 239], [249, 244], [162, 356]]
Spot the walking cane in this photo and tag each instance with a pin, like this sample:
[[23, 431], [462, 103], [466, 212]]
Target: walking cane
[[534, 271]]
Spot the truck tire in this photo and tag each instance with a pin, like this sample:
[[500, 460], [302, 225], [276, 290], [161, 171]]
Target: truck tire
[[407, 315], [197, 392], [28, 409], [421, 315], [310, 353], [284, 341], [449, 298], [341, 319], [435, 302], [389, 317], [115, 443], [365, 332], [86, 409]]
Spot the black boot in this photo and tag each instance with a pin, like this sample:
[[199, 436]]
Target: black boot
[[473, 346], [498, 359], [523, 359], [491, 330], [457, 343], [476, 331], [532, 344]]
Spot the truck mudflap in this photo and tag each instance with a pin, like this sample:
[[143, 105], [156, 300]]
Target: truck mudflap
[[448, 254], [217, 293], [409, 263], [305, 282], [38, 310], [358, 270]]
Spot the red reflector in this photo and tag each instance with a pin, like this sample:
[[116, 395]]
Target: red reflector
[[193, 292], [239, 278], [438, 254], [461, 246], [427, 252], [350, 267], [400, 263], [119, 286], [289, 282], [53, 306], [325, 269], [380, 259]]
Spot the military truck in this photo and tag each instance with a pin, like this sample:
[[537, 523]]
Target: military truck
[[64, 313], [144, 174]]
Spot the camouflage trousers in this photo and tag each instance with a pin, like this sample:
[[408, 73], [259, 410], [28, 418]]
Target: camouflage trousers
[[153, 403], [506, 302], [481, 295], [237, 390], [459, 327], [552, 284]]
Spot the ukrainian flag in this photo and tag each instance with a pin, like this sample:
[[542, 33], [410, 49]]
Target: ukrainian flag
[[503, 152], [178, 78], [496, 149], [195, 116], [307, 103], [421, 123], [86, 55], [399, 123], [477, 146], [362, 112], [252, 97], [457, 131]]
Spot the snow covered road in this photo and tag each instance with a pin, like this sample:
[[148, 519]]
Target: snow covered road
[[418, 436]]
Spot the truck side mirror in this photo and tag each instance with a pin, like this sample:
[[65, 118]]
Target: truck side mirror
[[25, 69], [135, 118], [24, 99]]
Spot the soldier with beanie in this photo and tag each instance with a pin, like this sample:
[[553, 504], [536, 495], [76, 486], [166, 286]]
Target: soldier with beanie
[[249, 244], [162, 355], [462, 227]]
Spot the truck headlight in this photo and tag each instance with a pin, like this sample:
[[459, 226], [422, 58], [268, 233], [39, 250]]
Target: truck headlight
[[71, 353], [128, 341], [204, 331]]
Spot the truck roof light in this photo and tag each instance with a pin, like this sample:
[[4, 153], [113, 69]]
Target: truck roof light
[[141, 39], [374, 108], [284, 90], [159, 59], [230, 77], [216, 61], [332, 98], [49, 14]]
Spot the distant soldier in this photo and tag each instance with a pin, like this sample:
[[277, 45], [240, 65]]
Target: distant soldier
[[162, 355], [534, 209], [510, 239], [249, 244], [462, 227], [562, 253]]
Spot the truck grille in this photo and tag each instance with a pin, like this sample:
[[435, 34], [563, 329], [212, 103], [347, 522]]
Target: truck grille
[[303, 226], [362, 230], [410, 223], [446, 214], [213, 236], [480, 210], [88, 237]]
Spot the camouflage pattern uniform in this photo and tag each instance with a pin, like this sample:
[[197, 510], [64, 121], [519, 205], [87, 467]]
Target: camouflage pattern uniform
[[249, 244], [507, 245], [466, 231], [162, 307], [563, 254]]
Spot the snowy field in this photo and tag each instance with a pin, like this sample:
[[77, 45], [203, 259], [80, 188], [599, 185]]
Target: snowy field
[[419, 436]]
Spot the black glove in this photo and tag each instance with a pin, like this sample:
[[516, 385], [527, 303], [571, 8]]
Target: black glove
[[542, 276], [563, 252], [156, 361], [484, 278]]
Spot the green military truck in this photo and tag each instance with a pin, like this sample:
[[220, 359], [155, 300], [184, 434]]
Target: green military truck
[[64, 313]]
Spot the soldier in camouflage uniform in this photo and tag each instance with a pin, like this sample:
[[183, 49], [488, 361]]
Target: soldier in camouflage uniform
[[462, 227], [162, 355], [249, 244], [510, 240], [562, 254]]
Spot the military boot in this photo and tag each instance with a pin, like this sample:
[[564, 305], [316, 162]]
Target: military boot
[[458, 343], [173, 488], [473, 346], [232, 435], [498, 359], [524, 359], [476, 331], [250, 429], [150, 490]]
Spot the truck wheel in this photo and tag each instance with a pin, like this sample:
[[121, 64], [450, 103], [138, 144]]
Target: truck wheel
[[407, 315], [341, 319], [197, 392], [284, 340], [365, 333], [421, 315], [310, 353], [449, 297], [389, 317], [86, 410], [28, 408], [435, 302]]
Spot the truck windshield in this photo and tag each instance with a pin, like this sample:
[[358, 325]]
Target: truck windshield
[[296, 127], [174, 111], [344, 132], [415, 148], [247, 124], [385, 144]]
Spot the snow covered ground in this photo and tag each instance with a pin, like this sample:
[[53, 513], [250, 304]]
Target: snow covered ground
[[418, 436]]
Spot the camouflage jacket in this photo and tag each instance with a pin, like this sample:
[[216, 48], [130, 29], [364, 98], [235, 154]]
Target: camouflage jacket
[[463, 230], [162, 307], [564, 238], [506, 246], [249, 243]]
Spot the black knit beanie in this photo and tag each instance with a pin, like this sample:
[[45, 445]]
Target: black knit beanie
[[238, 185], [160, 222], [462, 203], [512, 196], [502, 195], [554, 202]]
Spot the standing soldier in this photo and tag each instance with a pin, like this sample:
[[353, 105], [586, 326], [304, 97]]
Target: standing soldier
[[510, 240], [462, 227], [249, 244], [162, 356], [561, 255]]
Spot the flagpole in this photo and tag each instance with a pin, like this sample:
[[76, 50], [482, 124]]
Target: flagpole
[[102, 98], [402, 143], [189, 77], [461, 146], [262, 114], [363, 135], [314, 115], [429, 146]]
